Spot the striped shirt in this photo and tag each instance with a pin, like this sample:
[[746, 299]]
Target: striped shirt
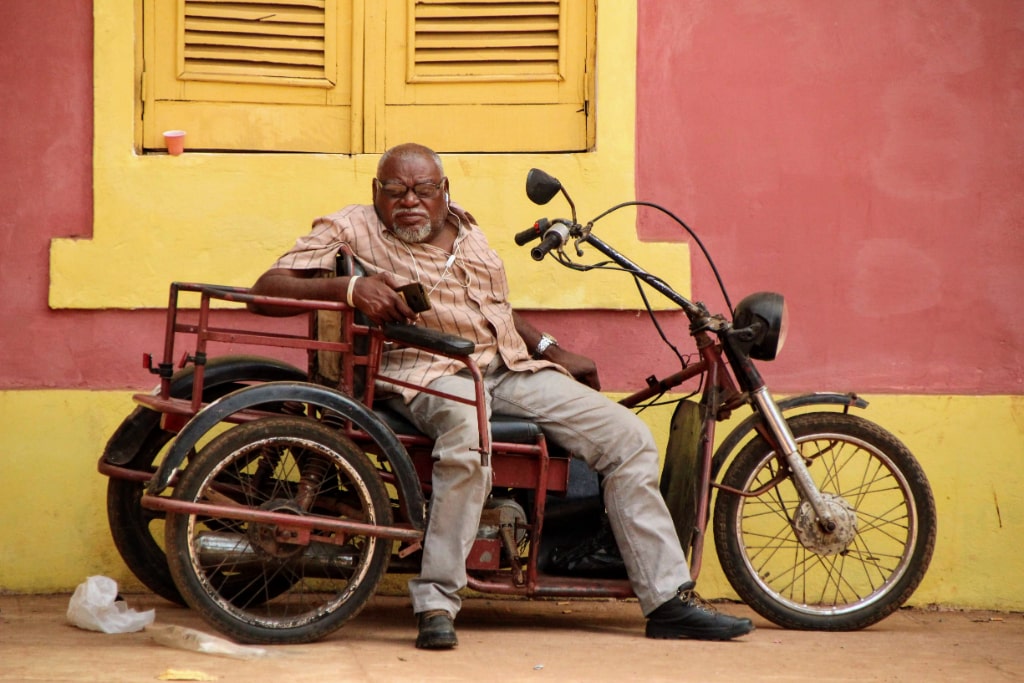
[[468, 290]]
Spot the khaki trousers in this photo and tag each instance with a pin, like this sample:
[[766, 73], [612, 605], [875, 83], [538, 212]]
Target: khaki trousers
[[608, 437]]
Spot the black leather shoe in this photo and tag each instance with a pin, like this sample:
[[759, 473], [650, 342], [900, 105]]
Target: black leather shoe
[[688, 616], [437, 630]]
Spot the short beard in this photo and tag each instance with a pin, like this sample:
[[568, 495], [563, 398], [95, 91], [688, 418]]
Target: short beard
[[412, 235]]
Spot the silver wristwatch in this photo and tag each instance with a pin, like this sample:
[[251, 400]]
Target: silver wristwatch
[[546, 341]]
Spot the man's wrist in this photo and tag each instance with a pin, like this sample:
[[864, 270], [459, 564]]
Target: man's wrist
[[350, 290], [546, 343]]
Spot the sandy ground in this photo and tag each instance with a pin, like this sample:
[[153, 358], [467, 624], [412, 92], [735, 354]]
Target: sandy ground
[[514, 640]]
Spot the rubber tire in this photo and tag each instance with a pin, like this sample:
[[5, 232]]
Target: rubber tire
[[898, 585], [240, 622], [130, 522]]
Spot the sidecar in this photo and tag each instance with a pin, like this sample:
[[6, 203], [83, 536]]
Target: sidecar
[[273, 499]]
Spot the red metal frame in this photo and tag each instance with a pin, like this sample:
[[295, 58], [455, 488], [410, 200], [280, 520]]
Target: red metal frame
[[514, 465]]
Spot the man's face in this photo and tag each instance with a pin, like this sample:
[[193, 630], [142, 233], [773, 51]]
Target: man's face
[[410, 197]]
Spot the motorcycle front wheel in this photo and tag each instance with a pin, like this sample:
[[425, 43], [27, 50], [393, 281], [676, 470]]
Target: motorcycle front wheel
[[786, 567], [298, 589]]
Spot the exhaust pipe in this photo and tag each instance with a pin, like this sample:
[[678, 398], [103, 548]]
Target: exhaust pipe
[[233, 552]]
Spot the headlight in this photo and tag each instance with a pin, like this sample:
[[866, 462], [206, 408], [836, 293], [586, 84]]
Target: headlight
[[760, 324]]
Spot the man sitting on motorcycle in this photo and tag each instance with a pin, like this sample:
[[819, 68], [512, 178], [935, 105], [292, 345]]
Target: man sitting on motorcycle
[[412, 233]]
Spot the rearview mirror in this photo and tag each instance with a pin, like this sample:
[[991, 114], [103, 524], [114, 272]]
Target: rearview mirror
[[541, 187]]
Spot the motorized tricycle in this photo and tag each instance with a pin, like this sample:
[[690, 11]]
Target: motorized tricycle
[[273, 502]]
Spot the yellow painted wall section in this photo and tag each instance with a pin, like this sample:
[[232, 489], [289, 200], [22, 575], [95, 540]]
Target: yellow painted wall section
[[54, 499], [225, 217], [970, 447]]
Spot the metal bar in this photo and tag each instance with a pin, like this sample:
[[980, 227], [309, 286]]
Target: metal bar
[[200, 360], [309, 522], [554, 587], [707, 450], [655, 282], [673, 380], [259, 338], [169, 330], [539, 504], [784, 438], [125, 473]]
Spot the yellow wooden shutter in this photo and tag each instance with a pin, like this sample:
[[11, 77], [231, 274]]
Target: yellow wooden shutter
[[487, 75], [254, 75], [304, 75]]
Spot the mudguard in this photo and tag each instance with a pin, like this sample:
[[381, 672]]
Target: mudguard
[[743, 429], [680, 477], [406, 480], [222, 370]]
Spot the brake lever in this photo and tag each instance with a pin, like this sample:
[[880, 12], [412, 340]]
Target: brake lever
[[584, 233]]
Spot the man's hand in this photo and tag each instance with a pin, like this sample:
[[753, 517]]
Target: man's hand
[[581, 367], [584, 369], [375, 296]]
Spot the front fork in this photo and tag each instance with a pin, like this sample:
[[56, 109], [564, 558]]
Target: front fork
[[787, 444]]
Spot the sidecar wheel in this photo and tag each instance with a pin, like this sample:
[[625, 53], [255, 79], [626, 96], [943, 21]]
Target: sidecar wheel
[[791, 572], [289, 465]]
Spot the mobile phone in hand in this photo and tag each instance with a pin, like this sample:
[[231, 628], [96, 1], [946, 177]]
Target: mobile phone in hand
[[416, 296]]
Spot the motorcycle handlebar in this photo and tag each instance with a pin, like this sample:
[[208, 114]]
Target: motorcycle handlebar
[[533, 232], [553, 238]]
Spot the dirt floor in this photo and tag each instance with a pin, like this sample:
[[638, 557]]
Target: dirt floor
[[513, 640]]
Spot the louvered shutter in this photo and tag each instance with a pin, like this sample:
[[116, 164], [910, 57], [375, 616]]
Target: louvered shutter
[[262, 41], [254, 75], [487, 75], [299, 75], [485, 40]]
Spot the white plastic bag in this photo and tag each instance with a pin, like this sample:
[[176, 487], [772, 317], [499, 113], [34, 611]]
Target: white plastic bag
[[94, 607]]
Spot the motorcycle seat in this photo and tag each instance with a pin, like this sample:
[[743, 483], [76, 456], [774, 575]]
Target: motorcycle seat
[[503, 427]]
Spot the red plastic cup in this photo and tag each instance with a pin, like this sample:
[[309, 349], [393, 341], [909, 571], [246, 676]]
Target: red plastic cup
[[175, 141]]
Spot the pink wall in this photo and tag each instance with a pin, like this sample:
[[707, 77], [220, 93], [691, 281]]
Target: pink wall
[[46, 124], [45, 187], [46, 191], [864, 158]]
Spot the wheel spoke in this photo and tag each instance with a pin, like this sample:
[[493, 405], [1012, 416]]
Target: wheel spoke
[[790, 569], [254, 580]]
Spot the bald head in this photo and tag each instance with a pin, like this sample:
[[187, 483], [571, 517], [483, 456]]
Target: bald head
[[409, 151]]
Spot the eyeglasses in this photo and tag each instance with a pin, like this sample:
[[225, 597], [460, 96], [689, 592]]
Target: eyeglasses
[[399, 191]]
